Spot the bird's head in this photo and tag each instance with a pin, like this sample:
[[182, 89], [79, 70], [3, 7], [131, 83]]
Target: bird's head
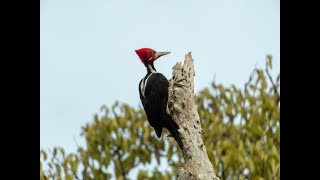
[[148, 55]]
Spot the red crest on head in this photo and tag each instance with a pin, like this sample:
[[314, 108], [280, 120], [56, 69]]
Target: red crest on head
[[144, 54]]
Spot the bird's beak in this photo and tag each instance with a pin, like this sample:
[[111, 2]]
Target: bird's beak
[[159, 54]]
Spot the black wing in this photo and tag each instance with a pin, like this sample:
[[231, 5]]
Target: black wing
[[155, 101]]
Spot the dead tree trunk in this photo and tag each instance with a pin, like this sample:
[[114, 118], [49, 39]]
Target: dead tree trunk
[[183, 109]]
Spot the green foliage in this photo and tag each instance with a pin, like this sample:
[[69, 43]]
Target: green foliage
[[241, 131], [155, 175], [242, 128], [61, 166]]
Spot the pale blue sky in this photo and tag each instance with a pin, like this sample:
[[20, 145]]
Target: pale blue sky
[[88, 59]]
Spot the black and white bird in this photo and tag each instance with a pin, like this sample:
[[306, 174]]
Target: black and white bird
[[153, 89]]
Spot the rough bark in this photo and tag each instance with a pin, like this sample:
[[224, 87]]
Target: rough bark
[[183, 109]]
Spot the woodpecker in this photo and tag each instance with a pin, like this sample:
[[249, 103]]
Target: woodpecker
[[153, 90]]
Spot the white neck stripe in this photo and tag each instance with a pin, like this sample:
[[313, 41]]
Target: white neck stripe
[[151, 69], [144, 84]]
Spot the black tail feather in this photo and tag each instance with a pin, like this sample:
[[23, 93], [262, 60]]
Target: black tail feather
[[173, 129]]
